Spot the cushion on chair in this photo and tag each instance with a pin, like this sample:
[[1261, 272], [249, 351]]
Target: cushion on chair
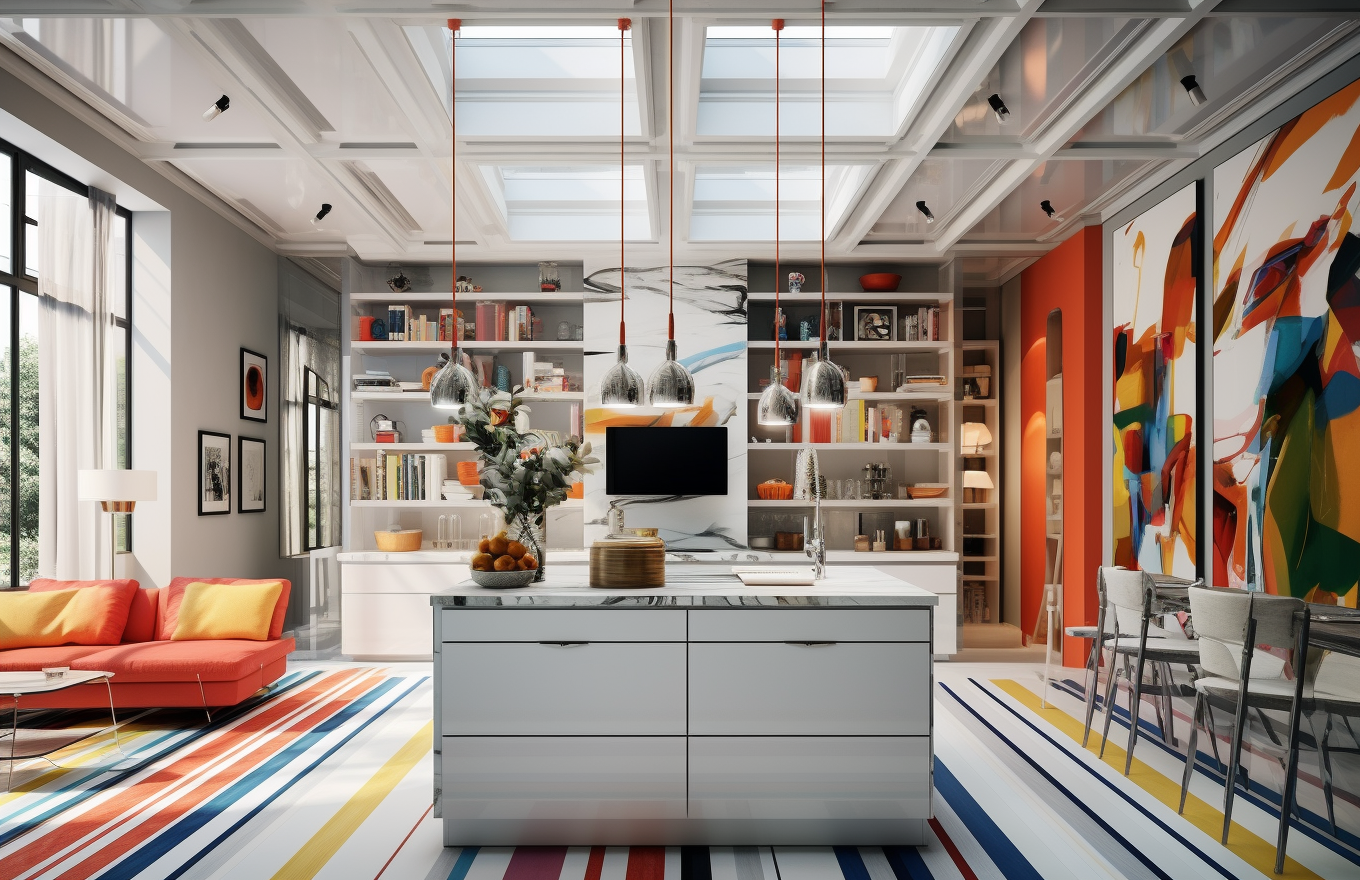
[[93, 614], [212, 660], [1161, 650], [173, 595], [30, 659], [227, 611], [1262, 687]]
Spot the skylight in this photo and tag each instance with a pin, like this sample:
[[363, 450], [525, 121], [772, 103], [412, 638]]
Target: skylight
[[875, 79], [736, 202], [533, 81], [569, 203]]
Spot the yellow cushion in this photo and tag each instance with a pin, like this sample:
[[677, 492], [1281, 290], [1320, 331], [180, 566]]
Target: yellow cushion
[[62, 617], [227, 611]]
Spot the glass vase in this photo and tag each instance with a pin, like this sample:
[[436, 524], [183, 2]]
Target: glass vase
[[529, 531]]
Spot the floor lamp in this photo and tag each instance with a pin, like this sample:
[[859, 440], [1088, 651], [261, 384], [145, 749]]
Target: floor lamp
[[118, 491]]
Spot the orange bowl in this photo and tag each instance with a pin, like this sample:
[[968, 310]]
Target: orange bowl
[[879, 282], [467, 473], [775, 490], [576, 490]]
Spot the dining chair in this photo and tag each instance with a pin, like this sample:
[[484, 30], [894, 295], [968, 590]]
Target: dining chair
[[1130, 605], [1235, 627]]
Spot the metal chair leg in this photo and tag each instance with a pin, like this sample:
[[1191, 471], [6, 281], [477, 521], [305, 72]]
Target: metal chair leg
[[1234, 762], [1169, 708], [1135, 705], [1092, 687], [1111, 685], [1325, 763], [1190, 754]]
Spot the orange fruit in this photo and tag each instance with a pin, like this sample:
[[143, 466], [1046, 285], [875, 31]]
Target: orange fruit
[[516, 549]]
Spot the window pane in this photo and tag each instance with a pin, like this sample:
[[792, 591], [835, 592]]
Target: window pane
[[118, 256], [32, 182], [6, 211], [27, 427], [6, 420], [118, 337]]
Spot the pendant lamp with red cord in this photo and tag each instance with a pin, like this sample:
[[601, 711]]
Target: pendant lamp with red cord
[[824, 385], [671, 385], [621, 386], [778, 405], [454, 384]]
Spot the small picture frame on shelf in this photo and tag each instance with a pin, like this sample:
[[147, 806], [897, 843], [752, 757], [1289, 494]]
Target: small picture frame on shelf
[[254, 384], [875, 323], [250, 475], [214, 473]]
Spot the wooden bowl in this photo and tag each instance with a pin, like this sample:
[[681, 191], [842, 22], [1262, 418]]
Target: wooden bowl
[[403, 541], [879, 282], [927, 490]]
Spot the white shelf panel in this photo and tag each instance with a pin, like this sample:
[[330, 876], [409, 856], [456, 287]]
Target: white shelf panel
[[822, 447], [859, 296], [978, 505], [424, 396], [411, 447], [417, 348], [854, 504], [569, 504], [445, 298], [854, 347], [941, 395], [979, 344]]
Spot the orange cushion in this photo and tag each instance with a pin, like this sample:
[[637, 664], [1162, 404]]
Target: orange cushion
[[29, 659], [44, 585], [141, 625], [214, 660], [227, 611], [173, 595], [93, 614]]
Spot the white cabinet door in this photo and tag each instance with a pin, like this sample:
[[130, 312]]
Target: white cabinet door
[[376, 626], [561, 790], [811, 777], [528, 689], [809, 624], [842, 689], [563, 625]]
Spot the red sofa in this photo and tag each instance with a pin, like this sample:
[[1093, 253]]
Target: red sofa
[[151, 671]]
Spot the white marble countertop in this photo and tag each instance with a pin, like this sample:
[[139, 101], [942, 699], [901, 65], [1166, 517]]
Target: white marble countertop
[[696, 585], [730, 558]]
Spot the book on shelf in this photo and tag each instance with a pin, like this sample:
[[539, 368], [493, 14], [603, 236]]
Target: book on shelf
[[394, 476], [923, 326]]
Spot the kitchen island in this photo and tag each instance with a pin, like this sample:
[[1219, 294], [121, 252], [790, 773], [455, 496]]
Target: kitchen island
[[703, 712]]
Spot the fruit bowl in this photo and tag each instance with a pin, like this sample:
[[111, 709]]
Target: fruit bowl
[[879, 282], [501, 580]]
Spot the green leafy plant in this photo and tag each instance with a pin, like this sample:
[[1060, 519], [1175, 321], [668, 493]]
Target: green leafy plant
[[523, 473]]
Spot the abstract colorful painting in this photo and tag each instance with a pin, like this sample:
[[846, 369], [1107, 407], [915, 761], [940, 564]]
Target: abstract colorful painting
[[1286, 330], [1155, 389]]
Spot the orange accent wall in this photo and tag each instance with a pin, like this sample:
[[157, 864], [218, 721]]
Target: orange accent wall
[[1067, 278]]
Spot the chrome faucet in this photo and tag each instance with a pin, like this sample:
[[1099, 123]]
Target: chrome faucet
[[814, 544]]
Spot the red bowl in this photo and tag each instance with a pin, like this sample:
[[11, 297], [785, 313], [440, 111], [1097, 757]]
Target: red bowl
[[879, 282]]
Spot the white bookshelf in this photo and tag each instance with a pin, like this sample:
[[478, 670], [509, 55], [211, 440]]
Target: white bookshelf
[[981, 549]]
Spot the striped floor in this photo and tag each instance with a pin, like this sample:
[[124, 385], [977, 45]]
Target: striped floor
[[332, 780]]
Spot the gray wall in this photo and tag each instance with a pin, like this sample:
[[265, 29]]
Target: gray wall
[[203, 288]]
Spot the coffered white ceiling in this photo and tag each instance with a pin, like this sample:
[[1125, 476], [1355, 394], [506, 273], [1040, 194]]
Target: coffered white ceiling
[[347, 105]]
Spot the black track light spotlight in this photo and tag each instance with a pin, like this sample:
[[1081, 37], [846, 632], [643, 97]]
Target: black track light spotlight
[[1051, 211], [925, 211], [1191, 86], [1003, 113], [217, 108], [320, 215]]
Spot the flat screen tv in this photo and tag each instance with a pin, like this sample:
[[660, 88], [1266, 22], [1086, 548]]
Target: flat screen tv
[[665, 461]]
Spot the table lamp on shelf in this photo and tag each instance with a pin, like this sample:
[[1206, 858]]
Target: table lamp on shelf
[[976, 485], [973, 436], [118, 491]]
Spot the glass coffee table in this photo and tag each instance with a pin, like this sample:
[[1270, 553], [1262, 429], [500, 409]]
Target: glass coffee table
[[26, 744]]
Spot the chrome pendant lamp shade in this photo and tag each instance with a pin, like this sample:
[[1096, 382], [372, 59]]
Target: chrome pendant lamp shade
[[671, 385], [778, 405], [823, 384], [453, 386], [621, 386]]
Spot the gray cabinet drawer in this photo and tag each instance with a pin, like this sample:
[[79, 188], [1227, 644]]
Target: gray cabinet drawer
[[843, 689], [587, 689], [809, 624], [791, 778], [564, 789], [568, 624]]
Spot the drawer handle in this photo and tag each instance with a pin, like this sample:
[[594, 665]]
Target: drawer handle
[[810, 644], [564, 644]]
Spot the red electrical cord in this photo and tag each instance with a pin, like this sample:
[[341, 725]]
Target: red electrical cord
[[778, 25], [454, 25], [624, 25]]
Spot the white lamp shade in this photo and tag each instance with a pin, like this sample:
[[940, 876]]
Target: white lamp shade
[[116, 485], [974, 436], [977, 480]]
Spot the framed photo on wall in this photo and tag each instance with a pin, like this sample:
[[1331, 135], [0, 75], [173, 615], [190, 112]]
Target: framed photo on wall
[[214, 473], [250, 466], [875, 323], [254, 376]]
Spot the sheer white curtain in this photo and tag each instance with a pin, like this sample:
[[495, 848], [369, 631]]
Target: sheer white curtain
[[75, 399]]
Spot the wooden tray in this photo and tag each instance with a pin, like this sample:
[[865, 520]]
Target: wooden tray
[[628, 563]]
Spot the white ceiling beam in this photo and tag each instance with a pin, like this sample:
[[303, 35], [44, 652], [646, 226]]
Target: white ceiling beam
[[983, 47], [1157, 38]]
